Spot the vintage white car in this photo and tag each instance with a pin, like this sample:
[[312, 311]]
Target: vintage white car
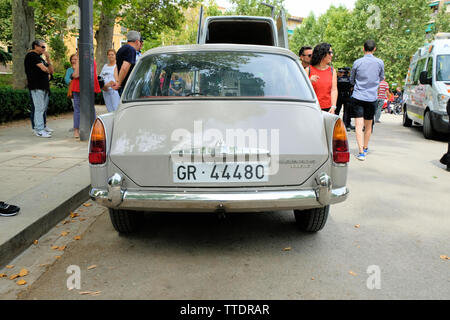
[[218, 128]]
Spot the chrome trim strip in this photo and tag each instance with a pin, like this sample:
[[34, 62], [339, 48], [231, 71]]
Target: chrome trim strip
[[229, 201]]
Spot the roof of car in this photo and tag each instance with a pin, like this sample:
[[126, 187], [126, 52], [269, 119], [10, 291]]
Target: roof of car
[[221, 47]]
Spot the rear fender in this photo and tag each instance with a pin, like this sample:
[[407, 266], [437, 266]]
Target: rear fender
[[338, 171]]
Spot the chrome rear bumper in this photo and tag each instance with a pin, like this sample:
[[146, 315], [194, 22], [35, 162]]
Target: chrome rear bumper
[[255, 201]]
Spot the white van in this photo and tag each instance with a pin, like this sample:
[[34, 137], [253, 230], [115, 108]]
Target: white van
[[427, 88]]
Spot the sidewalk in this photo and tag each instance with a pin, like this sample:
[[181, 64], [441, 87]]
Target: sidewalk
[[45, 177]]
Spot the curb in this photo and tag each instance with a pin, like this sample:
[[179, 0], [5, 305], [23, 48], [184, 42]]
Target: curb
[[19, 232]]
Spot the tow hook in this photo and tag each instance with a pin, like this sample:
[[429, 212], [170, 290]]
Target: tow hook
[[221, 213], [323, 191], [115, 193]]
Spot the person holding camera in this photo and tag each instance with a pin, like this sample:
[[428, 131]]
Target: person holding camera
[[108, 77]]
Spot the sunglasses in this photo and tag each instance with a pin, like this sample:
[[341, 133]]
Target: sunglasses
[[330, 52], [43, 47], [307, 55]]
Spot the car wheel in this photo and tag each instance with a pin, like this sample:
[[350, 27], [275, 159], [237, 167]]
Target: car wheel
[[125, 221], [312, 220], [428, 131], [407, 122]]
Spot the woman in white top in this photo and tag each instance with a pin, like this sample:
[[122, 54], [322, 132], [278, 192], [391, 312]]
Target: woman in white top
[[111, 76]]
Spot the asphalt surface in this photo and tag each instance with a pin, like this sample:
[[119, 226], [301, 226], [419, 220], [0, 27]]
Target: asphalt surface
[[394, 228]]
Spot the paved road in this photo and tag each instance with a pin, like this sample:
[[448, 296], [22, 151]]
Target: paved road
[[395, 221]]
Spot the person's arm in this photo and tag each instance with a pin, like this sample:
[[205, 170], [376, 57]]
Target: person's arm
[[49, 62], [122, 74], [382, 70], [334, 92], [67, 77], [43, 67], [353, 75]]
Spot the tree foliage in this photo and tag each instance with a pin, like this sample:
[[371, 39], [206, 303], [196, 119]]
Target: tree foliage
[[398, 28], [255, 8]]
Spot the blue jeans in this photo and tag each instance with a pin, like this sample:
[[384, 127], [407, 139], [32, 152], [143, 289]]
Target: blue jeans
[[76, 110], [380, 103], [32, 113], [40, 101]]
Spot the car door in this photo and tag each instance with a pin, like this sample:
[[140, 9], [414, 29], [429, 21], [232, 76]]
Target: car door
[[418, 91]]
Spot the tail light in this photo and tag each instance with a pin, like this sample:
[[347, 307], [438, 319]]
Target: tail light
[[97, 146], [341, 152]]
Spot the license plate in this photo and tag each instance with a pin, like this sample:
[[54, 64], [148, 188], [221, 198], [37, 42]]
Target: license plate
[[220, 172]]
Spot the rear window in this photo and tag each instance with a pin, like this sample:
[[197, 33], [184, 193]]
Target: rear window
[[217, 74]]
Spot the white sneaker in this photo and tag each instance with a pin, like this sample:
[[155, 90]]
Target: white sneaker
[[43, 134], [49, 130]]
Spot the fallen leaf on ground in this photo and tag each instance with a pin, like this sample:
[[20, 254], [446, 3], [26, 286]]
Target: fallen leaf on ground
[[91, 293], [55, 247], [287, 249], [73, 215], [65, 222], [35, 242], [14, 276], [87, 204], [9, 267], [357, 226], [23, 272], [57, 257], [444, 257], [64, 233], [77, 238], [21, 282], [3, 275], [81, 210], [92, 267], [82, 219], [62, 248], [352, 273], [313, 278]]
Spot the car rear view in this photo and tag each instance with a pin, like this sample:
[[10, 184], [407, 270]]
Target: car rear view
[[219, 128]]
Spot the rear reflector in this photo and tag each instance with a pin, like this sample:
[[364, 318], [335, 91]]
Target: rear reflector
[[97, 146], [341, 152]]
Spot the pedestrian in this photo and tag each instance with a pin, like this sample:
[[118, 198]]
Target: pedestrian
[[366, 75], [126, 59], [305, 55], [111, 76], [39, 72], [445, 160], [76, 94], [323, 77], [139, 50], [8, 210], [383, 95], [344, 91], [68, 78]]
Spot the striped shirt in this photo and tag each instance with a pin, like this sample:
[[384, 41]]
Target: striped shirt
[[382, 89]]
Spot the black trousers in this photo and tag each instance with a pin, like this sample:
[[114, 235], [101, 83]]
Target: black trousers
[[344, 101]]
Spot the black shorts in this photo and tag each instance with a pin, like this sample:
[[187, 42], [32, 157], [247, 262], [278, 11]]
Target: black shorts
[[363, 109]]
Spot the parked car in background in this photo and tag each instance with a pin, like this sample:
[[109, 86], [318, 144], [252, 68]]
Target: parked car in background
[[427, 88]]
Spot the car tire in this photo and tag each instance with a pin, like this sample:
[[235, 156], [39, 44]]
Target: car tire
[[428, 131], [312, 220], [125, 221], [407, 122]]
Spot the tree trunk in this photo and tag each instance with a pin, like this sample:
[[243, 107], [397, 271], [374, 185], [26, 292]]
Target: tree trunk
[[104, 37], [23, 35]]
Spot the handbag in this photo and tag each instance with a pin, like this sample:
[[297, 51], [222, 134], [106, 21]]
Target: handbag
[[101, 81], [69, 91]]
